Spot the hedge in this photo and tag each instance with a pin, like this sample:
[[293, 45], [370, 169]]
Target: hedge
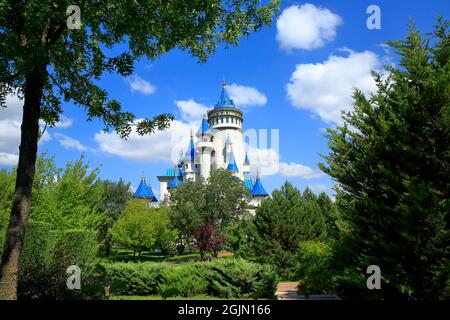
[[46, 254]]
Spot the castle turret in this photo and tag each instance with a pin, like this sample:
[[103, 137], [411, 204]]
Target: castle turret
[[258, 192], [246, 164], [205, 147], [226, 121], [232, 166], [188, 161], [144, 191]]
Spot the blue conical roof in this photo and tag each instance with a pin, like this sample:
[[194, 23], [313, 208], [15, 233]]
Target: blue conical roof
[[204, 127], [190, 153], [224, 101], [232, 163], [258, 189], [144, 191], [246, 161]]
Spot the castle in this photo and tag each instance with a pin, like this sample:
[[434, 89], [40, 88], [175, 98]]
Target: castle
[[219, 144]]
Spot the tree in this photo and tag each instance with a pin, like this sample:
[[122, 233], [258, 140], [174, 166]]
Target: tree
[[47, 63], [186, 204], [135, 229], [281, 223], [67, 198], [391, 159], [208, 239], [207, 208], [114, 198], [141, 227]]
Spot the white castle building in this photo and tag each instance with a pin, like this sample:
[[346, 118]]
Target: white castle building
[[219, 144]]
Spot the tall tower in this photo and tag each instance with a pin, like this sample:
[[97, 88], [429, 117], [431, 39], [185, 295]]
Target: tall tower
[[205, 147], [188, 161], [225, 121]]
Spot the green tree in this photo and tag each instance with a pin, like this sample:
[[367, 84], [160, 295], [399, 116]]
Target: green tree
[[46, 62], [217, 202], [165, 236], [114, 198], [66, 198], [141, 227], [281, 223], [186, 204], [391, 161]]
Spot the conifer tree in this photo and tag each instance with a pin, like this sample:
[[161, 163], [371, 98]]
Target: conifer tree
[[281, 223], [391, 161]]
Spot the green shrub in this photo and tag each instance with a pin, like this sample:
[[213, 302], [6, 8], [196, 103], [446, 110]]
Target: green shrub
[[38, 246], [223, 277], [314, 269], [238, 278], [45, 257], [77, 247], [134, 278], [185, 280]]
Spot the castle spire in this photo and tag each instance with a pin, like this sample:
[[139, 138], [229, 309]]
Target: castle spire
[[258, 189], [232, 163]]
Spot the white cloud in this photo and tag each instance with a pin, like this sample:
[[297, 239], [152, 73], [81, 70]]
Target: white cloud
[[10, 122], [69, 143], [317, 188], [160, 146], [8, 159], [327, 88], [266, 160], [140, 85], [299, 170], [64, 122], [306, 27], [246, 96], [191, 110], [164, 145]]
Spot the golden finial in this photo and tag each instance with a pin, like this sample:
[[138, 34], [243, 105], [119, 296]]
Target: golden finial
[[224, 84], [142, 176]]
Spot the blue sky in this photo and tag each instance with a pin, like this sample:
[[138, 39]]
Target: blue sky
[[294, 76]]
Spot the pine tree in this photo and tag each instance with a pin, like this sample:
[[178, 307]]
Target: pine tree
[[391, 161], [281, 223]]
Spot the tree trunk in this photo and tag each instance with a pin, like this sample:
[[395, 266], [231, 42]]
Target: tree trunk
[[21, 207]]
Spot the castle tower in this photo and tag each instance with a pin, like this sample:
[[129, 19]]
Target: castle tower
[[205, 147], [144, 191], [232, 166], [246, 164], [258, 192], [225, 121], [188, 161]]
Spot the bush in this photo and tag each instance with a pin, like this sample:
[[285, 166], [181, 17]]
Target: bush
[[38, 246], [314, 269], [134, 278], [185, 280], [45, 257], [37, 277], [77, 247], [224, 278], [238, 278]]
